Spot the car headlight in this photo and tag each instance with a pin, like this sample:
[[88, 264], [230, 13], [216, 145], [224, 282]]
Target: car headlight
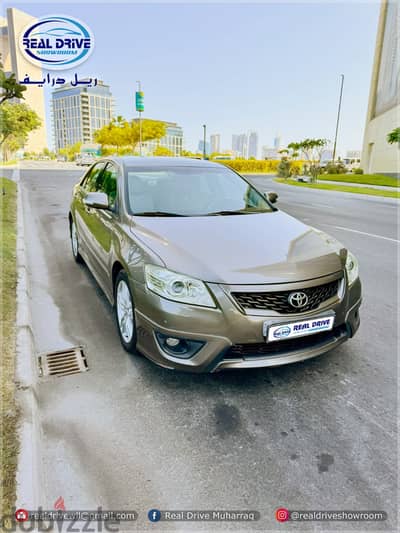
[[351, 268], [177, 287]]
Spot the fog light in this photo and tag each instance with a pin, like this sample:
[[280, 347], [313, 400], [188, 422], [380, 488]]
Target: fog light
[[172, 342], [183, 348]]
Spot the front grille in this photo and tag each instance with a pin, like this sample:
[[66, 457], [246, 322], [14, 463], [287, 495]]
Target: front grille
[[263, 349], [278, 301]]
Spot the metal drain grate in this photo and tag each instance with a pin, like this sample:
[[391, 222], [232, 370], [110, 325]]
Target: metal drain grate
[[63, 362]]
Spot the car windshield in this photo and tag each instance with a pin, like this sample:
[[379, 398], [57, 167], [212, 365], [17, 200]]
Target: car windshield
[[191, 191]]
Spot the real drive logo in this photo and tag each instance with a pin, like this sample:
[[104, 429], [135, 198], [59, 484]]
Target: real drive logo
[[284, 331], [56, 42]]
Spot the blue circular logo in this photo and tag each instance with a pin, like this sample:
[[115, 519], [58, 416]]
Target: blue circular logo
[[284, 331], [56, 42], [154, 515]]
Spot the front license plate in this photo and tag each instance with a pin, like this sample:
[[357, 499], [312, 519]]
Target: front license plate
[[290, 330]]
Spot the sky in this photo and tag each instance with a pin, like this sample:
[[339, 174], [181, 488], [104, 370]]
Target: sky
[[269, 67]]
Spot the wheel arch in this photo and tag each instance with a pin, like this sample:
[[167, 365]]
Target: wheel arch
[[116, 269]]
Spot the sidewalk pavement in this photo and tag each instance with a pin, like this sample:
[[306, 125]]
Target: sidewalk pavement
[[42, 165]]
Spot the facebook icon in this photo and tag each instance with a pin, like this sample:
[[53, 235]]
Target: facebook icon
[[154, 515]]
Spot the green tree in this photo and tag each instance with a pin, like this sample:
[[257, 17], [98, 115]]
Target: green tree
[[162, 151], [394, 136], [16, 122], [121, 134], [151, 130], [9, 87], [312, 150], [49, 153], [284, 168], [71, 151], [188, 153], [113, 134]]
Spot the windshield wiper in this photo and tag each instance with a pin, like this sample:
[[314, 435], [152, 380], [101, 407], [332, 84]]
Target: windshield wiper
[[158, 214], [238, 212]]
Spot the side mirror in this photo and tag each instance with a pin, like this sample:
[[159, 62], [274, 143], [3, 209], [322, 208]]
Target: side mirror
[[99, 200], [271, 196]]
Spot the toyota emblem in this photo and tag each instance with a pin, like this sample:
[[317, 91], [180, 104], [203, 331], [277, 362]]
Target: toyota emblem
[[298, 299]]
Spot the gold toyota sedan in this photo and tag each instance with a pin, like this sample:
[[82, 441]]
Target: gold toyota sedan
[[204, 272]]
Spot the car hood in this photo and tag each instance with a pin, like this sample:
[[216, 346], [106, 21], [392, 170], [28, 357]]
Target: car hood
[[241, 249]]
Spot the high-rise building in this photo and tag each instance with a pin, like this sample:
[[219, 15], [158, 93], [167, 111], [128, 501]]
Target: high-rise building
[[235, 144], [215, 143], [14, 62], [253, 145], [378, 156], [277, 142], [239, 145], [201, 147], [172, 140], [79, 111]]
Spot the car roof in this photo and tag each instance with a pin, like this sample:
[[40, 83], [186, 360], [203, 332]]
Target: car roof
[[140, 162]]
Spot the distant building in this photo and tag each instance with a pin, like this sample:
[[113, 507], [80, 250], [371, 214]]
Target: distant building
[[352, 159], [14, 62], [253, 145], [353, 154], [78, 112], [215, 143], [277, 143], [235, 143], [326, 155], [384, 103], [239, 145], [270, 153], [173, 140], [201, 147]]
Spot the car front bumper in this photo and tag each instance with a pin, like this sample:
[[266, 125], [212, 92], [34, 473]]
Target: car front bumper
[[227, 331]]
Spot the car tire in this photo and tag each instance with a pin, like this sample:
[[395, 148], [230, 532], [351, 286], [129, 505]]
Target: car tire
[[75, 242], [125, 312]]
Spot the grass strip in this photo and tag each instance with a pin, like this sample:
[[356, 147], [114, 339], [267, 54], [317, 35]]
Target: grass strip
[[341, 188], [8, 407]]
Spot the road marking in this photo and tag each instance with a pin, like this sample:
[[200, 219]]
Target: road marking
[[363, 233]]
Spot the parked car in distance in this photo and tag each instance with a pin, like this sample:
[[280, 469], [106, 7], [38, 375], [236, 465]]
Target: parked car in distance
[[204, 272], [85, 160]]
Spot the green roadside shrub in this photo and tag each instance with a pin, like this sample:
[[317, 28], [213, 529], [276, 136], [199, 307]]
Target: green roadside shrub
[[251, 165], [267, 166], [284, 168], [358, 171], [295, 169], [335, 168]]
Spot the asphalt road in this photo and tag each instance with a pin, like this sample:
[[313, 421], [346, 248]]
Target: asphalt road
[[127, 435]]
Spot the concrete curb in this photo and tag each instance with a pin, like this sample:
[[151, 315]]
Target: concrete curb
[[29, 471]]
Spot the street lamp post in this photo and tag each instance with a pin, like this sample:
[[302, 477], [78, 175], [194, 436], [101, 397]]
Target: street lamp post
[[204, 141], [140, 120], [338, 117]]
